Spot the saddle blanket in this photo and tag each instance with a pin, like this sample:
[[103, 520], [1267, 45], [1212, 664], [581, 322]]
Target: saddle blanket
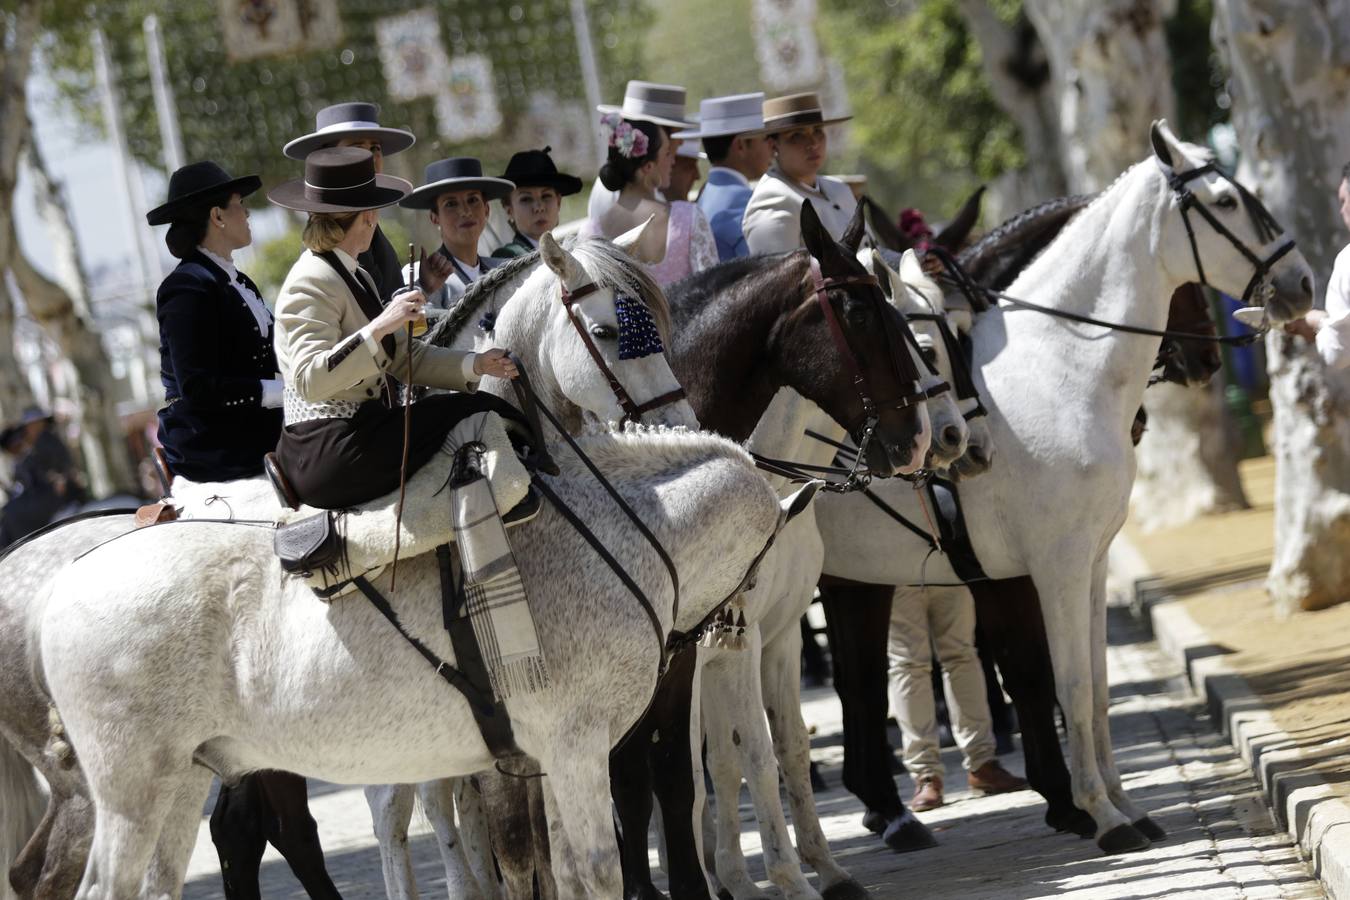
[[368, 529]]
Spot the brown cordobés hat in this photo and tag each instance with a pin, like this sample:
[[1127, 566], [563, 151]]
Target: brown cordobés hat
[[339, 180], [796, 111]]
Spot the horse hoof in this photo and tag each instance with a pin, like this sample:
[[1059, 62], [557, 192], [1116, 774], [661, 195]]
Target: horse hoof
[[905, 834], [874, 821], [1151, 829], [845, 890], [1073, 821], [1123, 839]]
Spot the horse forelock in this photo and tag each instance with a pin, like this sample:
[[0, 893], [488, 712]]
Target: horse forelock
[[610, 267], [638, 451]]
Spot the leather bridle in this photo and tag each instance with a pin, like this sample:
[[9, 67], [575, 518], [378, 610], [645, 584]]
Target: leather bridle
[[632, 411], [1266, 228], [965, 383]]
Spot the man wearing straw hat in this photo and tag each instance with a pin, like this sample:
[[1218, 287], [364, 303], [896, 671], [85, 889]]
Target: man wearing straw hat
[[733, 135], [643, 101]]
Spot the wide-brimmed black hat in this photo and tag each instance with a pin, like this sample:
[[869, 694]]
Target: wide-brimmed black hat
[[349, 121], [458, 173], [196, 182], [339, 180], [535, 168]]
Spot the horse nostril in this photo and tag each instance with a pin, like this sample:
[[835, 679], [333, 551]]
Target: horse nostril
[[979, 454], [1307, 286], [951, 436]]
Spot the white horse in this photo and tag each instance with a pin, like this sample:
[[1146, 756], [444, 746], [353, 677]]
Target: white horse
[[739, 687], [548, 346], [211, 661], [1061, 397]]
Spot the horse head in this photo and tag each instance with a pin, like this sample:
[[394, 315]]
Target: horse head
[[604, 334], [854, 348], [1223, 236], [919, 300]]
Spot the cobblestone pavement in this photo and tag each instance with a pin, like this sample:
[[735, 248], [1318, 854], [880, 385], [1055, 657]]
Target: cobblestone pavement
[[1222, 842]]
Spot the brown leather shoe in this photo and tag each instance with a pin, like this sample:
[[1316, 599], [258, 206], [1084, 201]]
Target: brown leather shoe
[[992, 778], [928, 795]]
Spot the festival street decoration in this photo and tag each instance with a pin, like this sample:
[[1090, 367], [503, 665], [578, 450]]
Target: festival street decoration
[[785, 44], [411, 54], [565, 125], [466, 106], [258, 28]]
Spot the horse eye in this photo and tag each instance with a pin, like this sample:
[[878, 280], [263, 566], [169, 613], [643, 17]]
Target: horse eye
[[856, 311], [1227, 201], [605, 332], [929, 355]]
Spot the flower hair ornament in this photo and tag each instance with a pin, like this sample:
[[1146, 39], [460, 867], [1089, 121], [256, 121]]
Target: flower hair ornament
[[622, 136]]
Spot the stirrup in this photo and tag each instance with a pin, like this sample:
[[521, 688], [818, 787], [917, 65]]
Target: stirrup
[[523, 511]]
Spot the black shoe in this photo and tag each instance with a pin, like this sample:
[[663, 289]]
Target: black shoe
[[523, 511]]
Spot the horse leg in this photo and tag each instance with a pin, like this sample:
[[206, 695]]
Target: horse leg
[[391, 807], [543, 865], [741, 727], [671, 752], [506, 802], [476, 834], [177, 837], [1101, 725], [631, 783], [1066, 592], [290, 828], [724, 769], [780, 667], [857, 619], [565, 873], [239, 833], [579, 773], [53, 861], [133, 792], [26, 870]]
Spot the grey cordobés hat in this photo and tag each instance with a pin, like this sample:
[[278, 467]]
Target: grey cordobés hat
[[339, 180], [349, 121], [458, 173]]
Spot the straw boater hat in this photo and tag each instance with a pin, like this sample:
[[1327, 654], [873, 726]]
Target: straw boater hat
[[195, 183], [349, 120], [458, 173], [796, 111], [339, 180], [535, 168], [643, 101], [728, 116]]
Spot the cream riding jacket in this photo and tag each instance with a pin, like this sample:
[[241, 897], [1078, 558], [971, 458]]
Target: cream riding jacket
[[773, 218], [327, 352]]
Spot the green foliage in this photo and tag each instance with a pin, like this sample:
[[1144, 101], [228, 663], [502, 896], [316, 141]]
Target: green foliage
[[1197, 75], [705, 45], [241, 113], [926, 128]]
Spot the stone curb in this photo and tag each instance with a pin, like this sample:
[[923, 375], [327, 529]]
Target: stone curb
[[1302, 801]]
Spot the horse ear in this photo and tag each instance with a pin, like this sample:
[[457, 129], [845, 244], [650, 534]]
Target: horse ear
[[958, 229], [562, 263], [853, 234], [1162, 139], [631, 241], [817, 240], [887, 276]]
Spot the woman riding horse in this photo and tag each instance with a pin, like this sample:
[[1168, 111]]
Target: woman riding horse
[[340, 353]]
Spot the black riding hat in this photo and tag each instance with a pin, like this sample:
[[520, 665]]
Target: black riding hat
[[535, 168], [339, 180], [195, 183], [458, 173]]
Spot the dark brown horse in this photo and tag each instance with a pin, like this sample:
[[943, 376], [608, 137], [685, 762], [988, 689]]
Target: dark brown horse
[[742, 331], [1008, 611]]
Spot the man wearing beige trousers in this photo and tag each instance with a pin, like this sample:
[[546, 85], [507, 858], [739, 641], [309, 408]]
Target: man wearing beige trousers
[[943, 617]]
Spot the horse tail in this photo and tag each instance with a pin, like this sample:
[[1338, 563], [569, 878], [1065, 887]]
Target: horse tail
[[22, 802]]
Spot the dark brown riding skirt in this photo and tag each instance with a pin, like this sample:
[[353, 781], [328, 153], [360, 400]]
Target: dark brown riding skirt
[[337, 463]]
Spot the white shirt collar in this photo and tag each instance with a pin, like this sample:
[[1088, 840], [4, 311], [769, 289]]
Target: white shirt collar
[[529, 241], [815, 190], [346, 259], [739, 176], [225, 265], [473, 270]]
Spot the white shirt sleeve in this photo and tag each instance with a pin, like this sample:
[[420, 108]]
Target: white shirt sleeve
[[1333, 338], [271, 393]]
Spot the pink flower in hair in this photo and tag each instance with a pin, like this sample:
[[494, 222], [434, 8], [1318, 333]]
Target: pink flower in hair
[[622, 136]]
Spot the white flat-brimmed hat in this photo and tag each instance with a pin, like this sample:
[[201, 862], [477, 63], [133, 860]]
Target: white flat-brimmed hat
[[728, 116], [795, 111], [644, 101], [349, 121]]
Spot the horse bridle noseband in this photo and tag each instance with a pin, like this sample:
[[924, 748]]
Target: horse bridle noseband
[[1266, 227], [965, 383], [632, 412]]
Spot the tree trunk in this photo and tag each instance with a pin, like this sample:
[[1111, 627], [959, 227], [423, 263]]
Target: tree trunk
[[63, 312], [1289, 79], [1112, 76]]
